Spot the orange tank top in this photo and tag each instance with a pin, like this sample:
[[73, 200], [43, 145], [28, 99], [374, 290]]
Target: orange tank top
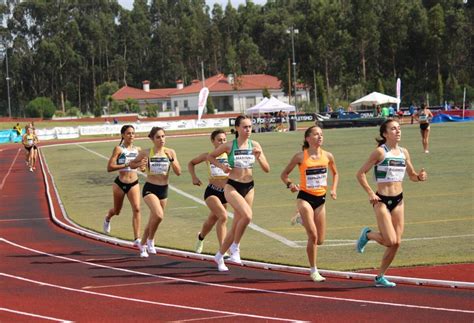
[[314, 174]]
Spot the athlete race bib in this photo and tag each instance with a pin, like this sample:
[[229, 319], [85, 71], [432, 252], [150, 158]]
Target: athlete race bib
[[316, 177], [243, 158], [395, 170], [216, 171], [159, 165]]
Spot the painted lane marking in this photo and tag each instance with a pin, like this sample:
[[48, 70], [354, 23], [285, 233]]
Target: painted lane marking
[[27, 219], [9, 169], [350, 300], [137, 300], [253, 226], [206, 318], [124, 285], [33, 315]]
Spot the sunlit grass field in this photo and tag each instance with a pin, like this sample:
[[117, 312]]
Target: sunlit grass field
[[439, 221]]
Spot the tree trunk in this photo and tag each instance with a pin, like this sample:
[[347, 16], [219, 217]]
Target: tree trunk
[[364, 74], [326, 71], [62, 102]]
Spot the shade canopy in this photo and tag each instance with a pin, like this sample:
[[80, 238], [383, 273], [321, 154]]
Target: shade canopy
[[375, 98], [270, 105]]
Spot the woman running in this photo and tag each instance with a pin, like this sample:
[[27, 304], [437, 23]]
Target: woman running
[[126, 183], [390, 161], [424, 117], [155, 191], [239, 190], [214, 195], [29, 141], [313, 163]]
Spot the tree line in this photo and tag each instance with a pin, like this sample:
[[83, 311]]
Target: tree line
[[66, 50]]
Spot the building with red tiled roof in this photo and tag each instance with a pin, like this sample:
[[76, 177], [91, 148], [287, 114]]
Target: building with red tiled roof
[[228, 93]]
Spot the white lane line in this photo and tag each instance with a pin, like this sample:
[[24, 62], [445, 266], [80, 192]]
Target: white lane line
[[123, 285], [137, 300], [28, 219], [205, 318], [351, 300], [183, 207], [9, 170], [33, 315], [253, 226], [403, 240]]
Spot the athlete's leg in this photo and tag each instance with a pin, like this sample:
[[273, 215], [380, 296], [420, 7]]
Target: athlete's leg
[[134, 198], [307, 215], [156, 207], [218, 215], [118, 195], [397, 218]]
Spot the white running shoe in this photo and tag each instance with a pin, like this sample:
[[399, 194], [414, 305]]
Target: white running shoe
[[31, 169], [150, 245], [199, 246], [136, 243], [143, 252], [220, 263], [106, 226], [316, 277], [235, 257]]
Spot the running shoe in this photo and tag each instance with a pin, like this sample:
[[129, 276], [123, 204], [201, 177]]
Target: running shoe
[[235, 257], [31, 169], [297, 219], [362, 241], [150, 245], [381, 281], [234, 251], [106, 226], [220, 263], [136, 243], [199, 246], [143, 252], [316, 277]]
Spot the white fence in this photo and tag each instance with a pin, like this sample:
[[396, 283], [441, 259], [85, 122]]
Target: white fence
[[114, 129]]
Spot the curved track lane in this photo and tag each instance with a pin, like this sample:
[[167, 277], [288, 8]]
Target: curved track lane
[[48, 273]]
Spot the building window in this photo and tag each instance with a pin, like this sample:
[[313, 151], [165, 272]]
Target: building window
[[225, 104], [249, 101], [186, 104]]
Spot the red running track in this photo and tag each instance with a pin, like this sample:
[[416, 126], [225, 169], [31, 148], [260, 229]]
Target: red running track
[[48, 273]]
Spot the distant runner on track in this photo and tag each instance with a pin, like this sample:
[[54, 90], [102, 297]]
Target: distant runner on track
[[390, 161], [29, 141]]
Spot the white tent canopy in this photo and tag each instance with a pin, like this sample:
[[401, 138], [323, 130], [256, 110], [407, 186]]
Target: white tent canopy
[[375, 98], [271, 105]]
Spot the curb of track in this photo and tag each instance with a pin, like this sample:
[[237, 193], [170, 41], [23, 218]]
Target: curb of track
[[73, 227]]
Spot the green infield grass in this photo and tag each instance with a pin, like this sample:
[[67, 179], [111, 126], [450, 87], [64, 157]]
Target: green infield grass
[[439, 226]]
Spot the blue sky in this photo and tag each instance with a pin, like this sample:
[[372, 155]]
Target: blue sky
[[128, 4]]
